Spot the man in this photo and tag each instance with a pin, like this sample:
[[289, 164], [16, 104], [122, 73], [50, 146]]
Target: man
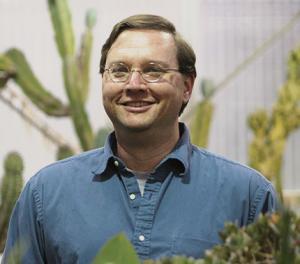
[[168, 196]]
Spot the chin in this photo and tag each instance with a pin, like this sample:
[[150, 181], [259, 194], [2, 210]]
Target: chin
[[136, 126]]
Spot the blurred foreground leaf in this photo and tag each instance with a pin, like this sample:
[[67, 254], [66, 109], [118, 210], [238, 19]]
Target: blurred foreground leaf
[[117, 251]]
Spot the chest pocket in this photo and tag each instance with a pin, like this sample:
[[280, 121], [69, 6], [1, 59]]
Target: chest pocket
[[191, 247]]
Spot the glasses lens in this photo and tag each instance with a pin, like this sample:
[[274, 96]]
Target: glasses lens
[[152, 73], [119, 72]]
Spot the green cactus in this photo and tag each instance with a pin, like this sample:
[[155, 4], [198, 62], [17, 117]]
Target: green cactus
[[101, 137], [203, 115], [64, 152], [75, 78], [31, 86], [75, 69], [7, 70], [11, 186], [271, 131]]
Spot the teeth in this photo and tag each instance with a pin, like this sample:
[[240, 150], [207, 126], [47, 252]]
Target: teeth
[[137, 104]]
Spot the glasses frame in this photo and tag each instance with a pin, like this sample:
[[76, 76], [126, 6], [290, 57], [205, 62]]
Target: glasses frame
[[130, 71]]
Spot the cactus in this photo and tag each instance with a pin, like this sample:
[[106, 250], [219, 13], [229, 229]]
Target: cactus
[[64, 152], [271, 131], [31, 86], [203, 114], [10, 189], [75, 79], [75, 69], [7, 70], [101, 137]]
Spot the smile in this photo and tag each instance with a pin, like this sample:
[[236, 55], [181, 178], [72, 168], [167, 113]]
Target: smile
[[137, 104]]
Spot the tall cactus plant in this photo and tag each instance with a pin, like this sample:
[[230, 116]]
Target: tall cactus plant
[[10, 189], [271, 131], [75, 69], [203, 115]]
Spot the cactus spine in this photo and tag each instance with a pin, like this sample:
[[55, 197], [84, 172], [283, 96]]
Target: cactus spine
[[10, 189], [271, 131]]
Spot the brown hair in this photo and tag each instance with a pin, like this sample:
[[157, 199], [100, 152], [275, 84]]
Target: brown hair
[[185, 55]]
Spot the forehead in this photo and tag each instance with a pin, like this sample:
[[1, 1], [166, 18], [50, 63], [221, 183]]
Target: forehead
[[142, 46]]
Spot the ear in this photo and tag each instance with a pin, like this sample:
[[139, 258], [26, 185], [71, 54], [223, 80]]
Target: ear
[[188, 87]]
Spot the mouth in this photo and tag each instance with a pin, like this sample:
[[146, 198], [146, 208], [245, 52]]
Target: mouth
[[137, 103], [137, 106]]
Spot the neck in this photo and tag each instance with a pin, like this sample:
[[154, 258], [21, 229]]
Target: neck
[[142, 151]]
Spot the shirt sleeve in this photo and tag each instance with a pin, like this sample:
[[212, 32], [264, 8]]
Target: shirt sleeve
[[24, 242], [263, 199]]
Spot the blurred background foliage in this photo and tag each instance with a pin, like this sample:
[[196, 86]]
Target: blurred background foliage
[[75, 70]]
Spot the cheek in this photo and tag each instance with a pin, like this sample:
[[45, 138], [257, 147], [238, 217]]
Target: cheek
[[110, 91]]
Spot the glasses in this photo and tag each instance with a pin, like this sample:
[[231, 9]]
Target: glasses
[[120, 72]]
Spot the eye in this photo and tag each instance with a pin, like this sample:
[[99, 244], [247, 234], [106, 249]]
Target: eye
[[152, 68], [153, 71], [119, 70]]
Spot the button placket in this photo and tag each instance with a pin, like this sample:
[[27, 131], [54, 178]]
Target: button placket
[[132, 189], [144, 220]]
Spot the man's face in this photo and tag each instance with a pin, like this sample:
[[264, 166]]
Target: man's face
[[138, 105]]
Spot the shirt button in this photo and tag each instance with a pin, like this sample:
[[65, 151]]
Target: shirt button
[[132, 196], [141, 238], [116, 163]]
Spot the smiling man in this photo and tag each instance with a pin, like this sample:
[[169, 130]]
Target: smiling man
[[143, 92], [149, 181]]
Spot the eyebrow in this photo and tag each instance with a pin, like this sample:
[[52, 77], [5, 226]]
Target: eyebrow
[[156, 62]]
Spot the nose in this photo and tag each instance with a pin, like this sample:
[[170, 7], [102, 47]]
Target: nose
[[136, 80]]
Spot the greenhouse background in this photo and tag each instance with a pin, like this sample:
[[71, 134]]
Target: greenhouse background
[[242, 49], [247, 40]]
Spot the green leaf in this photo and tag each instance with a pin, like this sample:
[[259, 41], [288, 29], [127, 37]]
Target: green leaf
[[118, 250]]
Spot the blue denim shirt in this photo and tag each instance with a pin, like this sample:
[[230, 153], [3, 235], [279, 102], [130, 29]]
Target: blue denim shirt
[[69, 209]]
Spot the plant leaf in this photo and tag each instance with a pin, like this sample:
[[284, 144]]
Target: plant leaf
[[118, 250]]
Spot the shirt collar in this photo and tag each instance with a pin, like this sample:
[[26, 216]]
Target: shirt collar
[[108, 155], [181, 154], [178, 159]]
